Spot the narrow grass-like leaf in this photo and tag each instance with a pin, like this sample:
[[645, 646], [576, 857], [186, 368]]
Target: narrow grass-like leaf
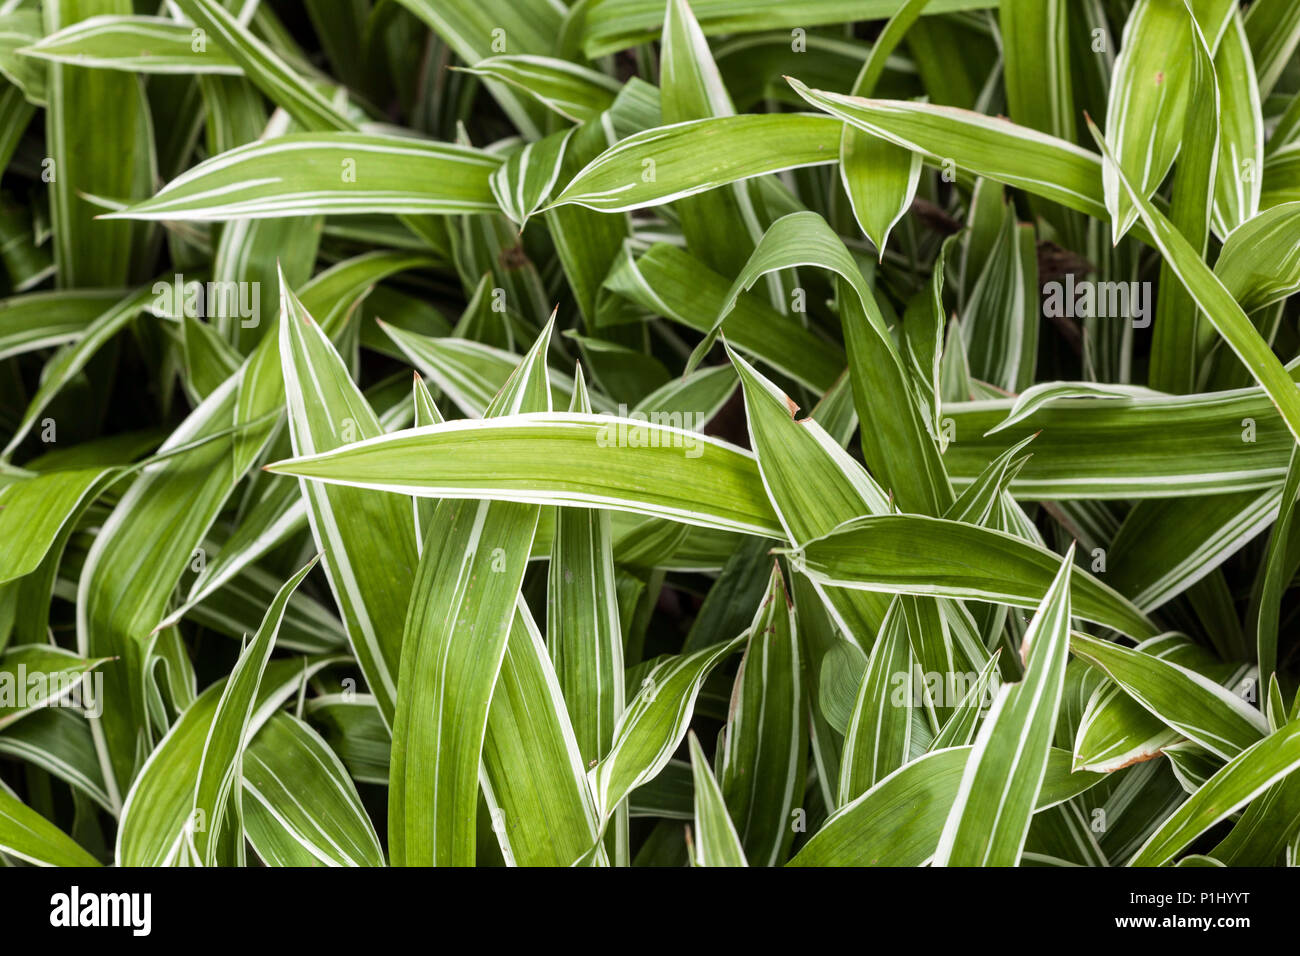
[[716, 840], [761, 766], [1275, 569], [1241, 780], [1148, 101], [814, 486], [575, 92], [533, 774], [897, 445], [69, 362], [132, 568], [29, 836], [1218, 305], [911, 554], [583, 634], [989, 819], [474, 29], [654, 724], [1260, 261], [368, 540], [134, 44], [1181, 339], [1147, 447], [898, 822], [302, 173], [100, 141], [36, 676], [982, 145], [39, 320], [263, 66], [879, 177], [57, 739], [1185, 700], [522, 183], [671, 162], [159, 808], [35, 511], [457, 627], [720, 225], [1241, 131], [672, 283], [589, 465], [879, 738], [216, 794], [296, 788], [617, 24]]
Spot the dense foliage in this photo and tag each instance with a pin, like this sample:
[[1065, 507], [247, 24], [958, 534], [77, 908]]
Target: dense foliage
[[841, 432]]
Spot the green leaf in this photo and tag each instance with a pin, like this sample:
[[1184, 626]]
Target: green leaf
[[69, 362], [457, 628], [476, 28], [141, 550], [1187, 701], [1144, 447], [341, 173], [1258, 264], [879, 177], [879, 737], [297, 791], [814, 486], [583, 634], [718, 842], [368, 540], [561, 458], [471, 373], [29, 836], [133, 44], [672, 283], [617, 24], [1000, 321], [34, 676], [1148, 100], [35, 511], [1241, 131], [537, 793], [57, 739], [216, 794], [1115, 731], [912, 554], [720, 226], [1039, 94], [101, 144], [898, 822], [764, 745], [1218, 305], [522, 183], [1182, 339], [1001, 783], [897, 445], [1241, 780], [672, 162], [263, 66], [1275, 570], [654, 724], [158, 812], [39, 320], [575, 92], [965, 141]]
